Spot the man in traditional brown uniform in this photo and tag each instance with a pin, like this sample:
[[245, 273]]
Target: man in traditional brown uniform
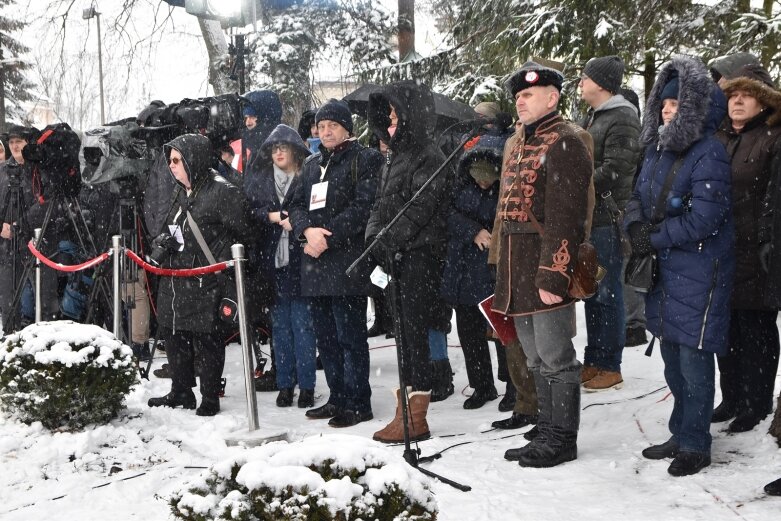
[[546, 177]]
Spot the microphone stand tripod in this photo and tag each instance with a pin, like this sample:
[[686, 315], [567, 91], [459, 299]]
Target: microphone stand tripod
[[411, 456]]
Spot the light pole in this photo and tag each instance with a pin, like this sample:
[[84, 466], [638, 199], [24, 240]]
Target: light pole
[[86, 14]]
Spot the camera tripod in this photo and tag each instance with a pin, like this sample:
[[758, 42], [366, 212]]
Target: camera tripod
[[71, 210]]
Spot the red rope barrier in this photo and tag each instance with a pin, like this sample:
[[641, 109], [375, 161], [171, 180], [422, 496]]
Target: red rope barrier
[[191, 272], [67, 268]]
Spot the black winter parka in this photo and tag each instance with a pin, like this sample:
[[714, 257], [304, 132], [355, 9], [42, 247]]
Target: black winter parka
[[220, 211], [411, 160]]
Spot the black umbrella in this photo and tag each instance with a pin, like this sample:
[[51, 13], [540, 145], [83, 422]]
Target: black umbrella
[[447, 110]]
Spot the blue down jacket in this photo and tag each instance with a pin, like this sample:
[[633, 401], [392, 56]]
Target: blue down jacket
[[690, 301]]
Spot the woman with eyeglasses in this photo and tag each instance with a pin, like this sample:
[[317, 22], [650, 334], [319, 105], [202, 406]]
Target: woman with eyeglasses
[[291, 315], [208, 215]]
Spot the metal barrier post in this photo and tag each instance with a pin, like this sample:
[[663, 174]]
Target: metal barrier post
[[246, 342], [38, 311], [117, 250]]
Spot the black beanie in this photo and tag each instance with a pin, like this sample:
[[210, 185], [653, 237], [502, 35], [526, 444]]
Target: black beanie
[[336, 110], [607, 72]]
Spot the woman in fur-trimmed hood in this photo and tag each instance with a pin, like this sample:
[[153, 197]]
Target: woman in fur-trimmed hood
[[751, 134], [690, 231]]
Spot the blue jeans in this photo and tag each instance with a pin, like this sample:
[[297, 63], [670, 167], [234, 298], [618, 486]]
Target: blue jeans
[[437, 345], [605, 316], [294, 342], [690, 374], [340, 328]]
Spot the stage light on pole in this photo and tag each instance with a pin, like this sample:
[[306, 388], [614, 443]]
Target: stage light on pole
[[87, 14]]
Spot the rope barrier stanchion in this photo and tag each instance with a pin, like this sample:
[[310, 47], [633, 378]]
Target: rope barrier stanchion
[[38, 311], [116, 247], [254, 436], [246, 342]]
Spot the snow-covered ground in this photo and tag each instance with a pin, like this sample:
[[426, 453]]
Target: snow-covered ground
[[128, 469]]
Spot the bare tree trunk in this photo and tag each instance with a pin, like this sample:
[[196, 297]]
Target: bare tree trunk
[[219, 59], [406, 28]]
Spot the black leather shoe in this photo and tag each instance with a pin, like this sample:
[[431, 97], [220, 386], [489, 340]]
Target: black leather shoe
[[531, 433], [668, 449], [323, 412], [479, 398], [725, 411], [208, 408], [184, 399], [774, 488], [285, 398], [744, 422], [306, 398], [688, 463], [349, 418], [163, 372], [516, 421], [266, 382]]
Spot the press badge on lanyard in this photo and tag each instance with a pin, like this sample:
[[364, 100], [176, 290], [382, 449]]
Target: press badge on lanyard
[[319, 191]]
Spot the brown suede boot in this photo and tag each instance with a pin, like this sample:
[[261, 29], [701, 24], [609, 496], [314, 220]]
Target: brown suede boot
[[418, 408], [416, 416], [394, 427], [775, 425]]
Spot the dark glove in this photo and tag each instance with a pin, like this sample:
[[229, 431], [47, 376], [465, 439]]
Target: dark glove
[[765, 249], [640, 238]]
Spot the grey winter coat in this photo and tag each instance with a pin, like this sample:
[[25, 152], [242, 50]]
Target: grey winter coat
[[615, 128]]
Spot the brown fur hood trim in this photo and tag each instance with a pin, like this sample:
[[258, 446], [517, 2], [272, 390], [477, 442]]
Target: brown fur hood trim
[[766, 95]]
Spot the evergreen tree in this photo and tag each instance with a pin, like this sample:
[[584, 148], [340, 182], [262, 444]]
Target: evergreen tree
[[17, 86], [301, 39]]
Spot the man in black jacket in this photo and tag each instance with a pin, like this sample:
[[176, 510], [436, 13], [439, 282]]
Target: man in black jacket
[[419, 236], [208, 205], [328, 211], [613, 124], [19, 217]]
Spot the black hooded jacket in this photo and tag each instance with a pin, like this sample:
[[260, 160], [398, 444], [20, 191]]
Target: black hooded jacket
[[36, 198], [409, 163], [220, 211]]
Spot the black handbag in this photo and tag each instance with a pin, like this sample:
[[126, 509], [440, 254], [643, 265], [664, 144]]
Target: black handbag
[[641, 270]]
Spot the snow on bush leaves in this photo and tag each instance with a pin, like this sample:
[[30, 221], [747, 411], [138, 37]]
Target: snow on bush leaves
[[330, 477], [64, 375]]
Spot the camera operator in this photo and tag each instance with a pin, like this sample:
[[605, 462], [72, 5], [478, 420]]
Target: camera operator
[[207, 216], [24, 201]]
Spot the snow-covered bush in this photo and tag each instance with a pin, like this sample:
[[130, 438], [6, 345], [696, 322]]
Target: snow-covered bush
[[64, 375], [323, 478]]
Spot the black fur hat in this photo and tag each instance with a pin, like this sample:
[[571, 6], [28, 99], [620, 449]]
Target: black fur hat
[[532, 74]]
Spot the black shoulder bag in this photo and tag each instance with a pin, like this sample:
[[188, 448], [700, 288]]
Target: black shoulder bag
[[641, 270]]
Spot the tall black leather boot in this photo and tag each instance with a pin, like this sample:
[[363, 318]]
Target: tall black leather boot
[[561, 436]]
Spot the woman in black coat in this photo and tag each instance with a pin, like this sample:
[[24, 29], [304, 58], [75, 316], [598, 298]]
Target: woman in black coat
[[187, 306], [294, 337], [467, 279]]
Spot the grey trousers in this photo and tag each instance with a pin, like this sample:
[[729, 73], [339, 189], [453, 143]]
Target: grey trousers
[[546, 339]]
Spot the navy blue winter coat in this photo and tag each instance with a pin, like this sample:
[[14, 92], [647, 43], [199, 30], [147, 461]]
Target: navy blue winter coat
[[467, 278], [690, 302], [348, 202]]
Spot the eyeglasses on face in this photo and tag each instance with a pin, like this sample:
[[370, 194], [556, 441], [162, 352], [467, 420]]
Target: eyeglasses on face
[[175, 160], [280, 147]]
